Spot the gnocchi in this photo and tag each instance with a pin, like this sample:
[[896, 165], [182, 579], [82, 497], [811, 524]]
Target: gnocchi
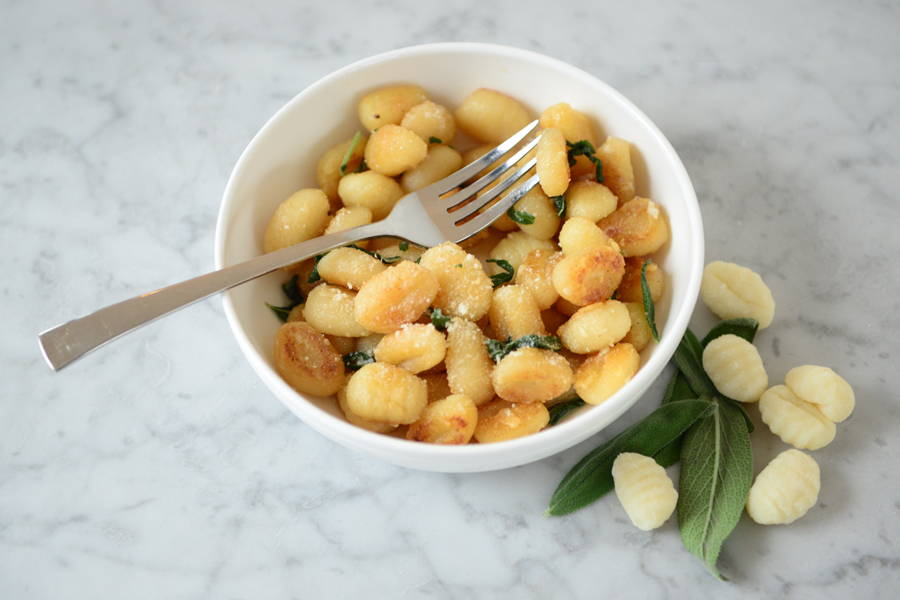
[[531, 375], [514, 313], [595, 327], [388, 105], [590, 200], [491, 116], [355, 419], [393, 149], [644, 490], [823, 387], [349, 267], [302, 216], [500, 420], [630, 287], [604, 373], [552, 163], [795, 421], [330, 310], [306, 360], [618, 173], [785, 489], [464, 289], [371, 190], [414, 347], [536, 275], [514, 248], [438, 163], [451, 420], [538, 205], [394, 297], [430, 121], [469, 367], [328, 169], [638, 226], [386, 393], [731, 291], [735, 368]]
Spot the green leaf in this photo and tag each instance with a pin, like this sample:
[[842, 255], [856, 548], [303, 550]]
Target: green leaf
[[598, 166], [404, 246], [678, 389], [362, 166], [591, 477], [559, 203], [357, 138], [355, 360], [314, 274], [439, 319], [497, 349], [716, 472], [281, 312], [560, 410], [745, 328], [435, 140], [508, 272], [688, 360], [291, 289], [585, 148], [649, 309], [520, 216]]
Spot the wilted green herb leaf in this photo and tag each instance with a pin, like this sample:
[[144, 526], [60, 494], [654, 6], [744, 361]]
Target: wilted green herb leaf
[[497, 349], [314, 274], [520, 216], [362, 166], [404, 246], [591, 477], [716, 472], [435, 140], [560, 410], [559, 203], [357, 138], [291, 289], [356, 360], [649, 309], [439, 319], [585, 148], [508, 272], [281, 312]]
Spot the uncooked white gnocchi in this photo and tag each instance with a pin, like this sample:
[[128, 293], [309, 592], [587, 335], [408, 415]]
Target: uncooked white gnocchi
[[731, 291], [823, 387], [795, 421], [644, 489], [735, 368], [785, 489]]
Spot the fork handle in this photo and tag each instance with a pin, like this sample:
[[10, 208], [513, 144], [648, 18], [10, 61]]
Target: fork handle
[[70, 341]]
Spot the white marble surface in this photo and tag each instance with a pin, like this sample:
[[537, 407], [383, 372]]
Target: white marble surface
[[161, 468]]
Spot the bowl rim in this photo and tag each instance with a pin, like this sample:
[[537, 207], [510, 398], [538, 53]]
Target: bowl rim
[[558, 437]]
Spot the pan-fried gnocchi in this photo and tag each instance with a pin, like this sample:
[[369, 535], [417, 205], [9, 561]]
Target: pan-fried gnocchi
[[785, 489], [644, 490], [795, 421], [732, 291], [469, 342], [735, 368]]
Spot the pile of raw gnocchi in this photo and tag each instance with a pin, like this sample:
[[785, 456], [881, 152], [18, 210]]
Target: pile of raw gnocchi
[[399, 333], [802, 412]]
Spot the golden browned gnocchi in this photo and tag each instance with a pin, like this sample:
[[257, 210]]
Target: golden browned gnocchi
[[415, 347], [388, 105], [393, 149], [451, 420], [387, 394], [306, 360], [464, 289], [349, 267], [644, 489], [371, 190], [735, 368], [394, 297], [531, 375], [491, 116], [795, 421], [500, 420], [595, 327], [638, 226], [785, 489], [416, 321], [604, 373], [732, 291], [302, 216], [469, 367], [824, 388], [430, 121]]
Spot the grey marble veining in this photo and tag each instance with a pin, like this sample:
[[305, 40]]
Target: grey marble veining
[[161, 468]]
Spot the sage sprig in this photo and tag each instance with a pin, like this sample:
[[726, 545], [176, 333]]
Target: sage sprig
[[649, 308], [591, 477], [561, 409]]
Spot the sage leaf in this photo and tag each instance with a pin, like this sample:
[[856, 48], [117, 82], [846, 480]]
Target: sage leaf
[[357, 138], [649, 309], [716, 472], [435, 140], [291, 289], [678, 389], [688, 359], [439, 319], [560, 410], [282, 312], [591, 477], [520, 216], [559, 203], [355, 360], [508, 271], [497, 349], [745, 328]]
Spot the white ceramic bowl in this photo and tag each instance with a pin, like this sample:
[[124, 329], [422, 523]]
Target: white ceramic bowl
[[281, 158]]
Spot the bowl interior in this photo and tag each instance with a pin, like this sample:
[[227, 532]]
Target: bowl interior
[[282, 158]]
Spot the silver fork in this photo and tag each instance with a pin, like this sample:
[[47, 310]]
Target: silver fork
[[444, 210]]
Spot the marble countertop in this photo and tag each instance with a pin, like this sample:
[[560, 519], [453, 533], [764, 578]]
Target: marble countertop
[[161, 467]]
